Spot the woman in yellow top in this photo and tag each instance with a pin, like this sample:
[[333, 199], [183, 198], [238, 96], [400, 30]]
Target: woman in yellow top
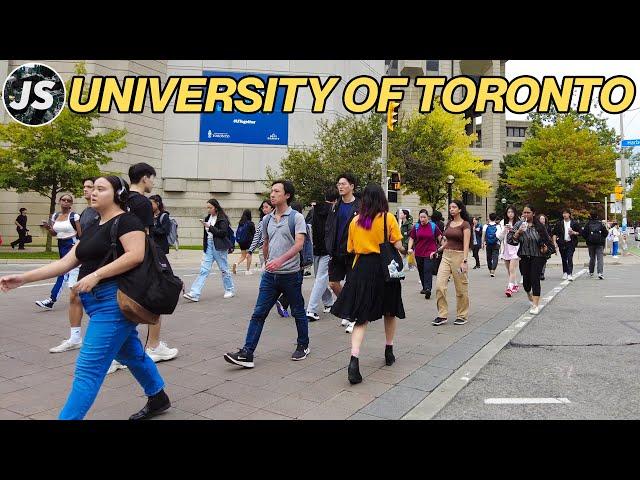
[[366, 296]]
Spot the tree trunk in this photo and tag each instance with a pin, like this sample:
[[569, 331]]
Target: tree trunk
[[52, 210]]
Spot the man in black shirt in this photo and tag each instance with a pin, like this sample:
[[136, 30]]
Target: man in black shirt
[[142, 177], [21, 228]]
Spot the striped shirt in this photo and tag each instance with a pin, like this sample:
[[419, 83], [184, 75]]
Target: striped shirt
[[257, 238], [528, 241]]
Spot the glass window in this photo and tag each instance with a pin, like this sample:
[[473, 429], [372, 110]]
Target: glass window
[[433, 65]]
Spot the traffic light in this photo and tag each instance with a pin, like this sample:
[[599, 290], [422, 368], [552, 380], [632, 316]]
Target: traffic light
[[618, 191], [392, 115], [394, 181]]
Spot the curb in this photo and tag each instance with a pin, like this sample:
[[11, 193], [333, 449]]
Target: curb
[[447, 390]]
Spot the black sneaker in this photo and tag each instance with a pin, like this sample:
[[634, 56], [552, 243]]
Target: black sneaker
[[427, 294], [439, 321], [46, 304], [300, 353], [156, 404], [460, 321], [353, 371], [423, 291], [313, 317], [242, 358]]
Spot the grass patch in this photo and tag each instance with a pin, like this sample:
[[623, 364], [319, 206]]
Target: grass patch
[[29, 255]]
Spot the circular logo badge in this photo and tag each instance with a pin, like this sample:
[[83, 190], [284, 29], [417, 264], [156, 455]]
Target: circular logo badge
[[34, 94]]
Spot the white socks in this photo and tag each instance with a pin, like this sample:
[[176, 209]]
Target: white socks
[[76, 334]]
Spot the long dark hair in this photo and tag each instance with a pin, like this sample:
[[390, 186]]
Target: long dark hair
[[268, 202], [516, 214], [464, 215], [219, 209], [158, 200], [246, 217], [537, 224], [373, 203]]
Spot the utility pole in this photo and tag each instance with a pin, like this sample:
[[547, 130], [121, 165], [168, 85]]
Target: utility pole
[[384, 180], [623, 175]]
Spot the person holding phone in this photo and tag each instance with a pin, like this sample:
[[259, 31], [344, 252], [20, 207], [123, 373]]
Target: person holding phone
[[455, 248]]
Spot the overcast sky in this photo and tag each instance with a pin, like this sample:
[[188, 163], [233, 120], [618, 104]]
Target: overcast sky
[[607, 68]]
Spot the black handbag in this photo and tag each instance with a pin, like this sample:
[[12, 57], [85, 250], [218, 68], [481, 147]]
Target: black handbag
[[390, 257], [28, 239], [150, 289]]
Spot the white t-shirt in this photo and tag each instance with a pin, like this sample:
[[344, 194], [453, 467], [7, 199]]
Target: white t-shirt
[[212, 221], [64, 229], [615, 233], [567, 225]]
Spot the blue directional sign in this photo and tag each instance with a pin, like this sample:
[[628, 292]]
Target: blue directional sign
[[631, 143], [256, 129]]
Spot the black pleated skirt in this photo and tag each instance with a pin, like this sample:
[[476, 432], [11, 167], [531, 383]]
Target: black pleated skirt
[[366, 297]]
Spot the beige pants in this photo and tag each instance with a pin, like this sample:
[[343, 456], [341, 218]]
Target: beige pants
[[449, 266]]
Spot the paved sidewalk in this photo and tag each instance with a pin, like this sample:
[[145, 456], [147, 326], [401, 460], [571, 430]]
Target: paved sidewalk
[[34, 383]]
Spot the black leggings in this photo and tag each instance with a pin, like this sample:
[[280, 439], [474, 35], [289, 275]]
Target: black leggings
[[531, 268]]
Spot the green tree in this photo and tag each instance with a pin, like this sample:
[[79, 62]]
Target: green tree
[[563, 165], [350, 144], [425, 149], [504, 191], [633, 215], [56, 157]]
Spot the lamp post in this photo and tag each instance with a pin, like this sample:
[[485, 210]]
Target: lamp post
[[450, 180]]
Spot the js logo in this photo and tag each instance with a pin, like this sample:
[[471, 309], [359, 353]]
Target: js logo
[[34, 94]]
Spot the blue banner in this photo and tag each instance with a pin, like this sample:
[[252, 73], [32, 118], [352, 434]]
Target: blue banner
[[236, 127]]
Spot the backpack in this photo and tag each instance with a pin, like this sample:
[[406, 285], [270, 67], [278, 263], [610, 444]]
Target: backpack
[[594, 236], [433, 229], [148, 290], [70, 217], [306, 254], [490, 234], [172, 236], [241, 232], [232, 238]]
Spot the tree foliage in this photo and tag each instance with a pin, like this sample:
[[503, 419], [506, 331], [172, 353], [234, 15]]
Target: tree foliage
[[563, 165]]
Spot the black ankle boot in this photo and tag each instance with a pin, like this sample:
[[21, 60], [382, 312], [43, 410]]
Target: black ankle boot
[[156, 404], [388, 355], [354, 370]]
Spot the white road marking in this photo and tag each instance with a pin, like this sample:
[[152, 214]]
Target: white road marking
[[621, 296], [524, 401]]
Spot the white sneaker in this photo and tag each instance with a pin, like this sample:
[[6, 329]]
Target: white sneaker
[[601, 276], [229, 294], [248, 272], [188, 296], [349, 328], [327, 309], [564, 276], [115, 365], [66, 346], [345, 322], [313, 317], [161, 352], [570, 278], [534, 310]]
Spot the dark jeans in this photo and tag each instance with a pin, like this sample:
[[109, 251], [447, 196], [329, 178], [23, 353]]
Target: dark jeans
[[476, 249], [271, 286], [530, 268], [544, 268], [20, 241], [596, 252], [492, 256], [425, 266], [64, 246], [566, 252]]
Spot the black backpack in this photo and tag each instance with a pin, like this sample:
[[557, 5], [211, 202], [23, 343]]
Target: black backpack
[[150, 289], [594, 235]]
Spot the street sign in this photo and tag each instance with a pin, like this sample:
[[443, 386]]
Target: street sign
[[631, 143], [629, 203]]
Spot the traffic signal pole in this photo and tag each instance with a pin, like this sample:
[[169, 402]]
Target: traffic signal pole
[[384, 180], [623, 174]]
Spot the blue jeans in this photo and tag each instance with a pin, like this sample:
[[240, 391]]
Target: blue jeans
[[271, 286], [220, 257], [109, 335], [320, 291], [64, 246], [614, 248]]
